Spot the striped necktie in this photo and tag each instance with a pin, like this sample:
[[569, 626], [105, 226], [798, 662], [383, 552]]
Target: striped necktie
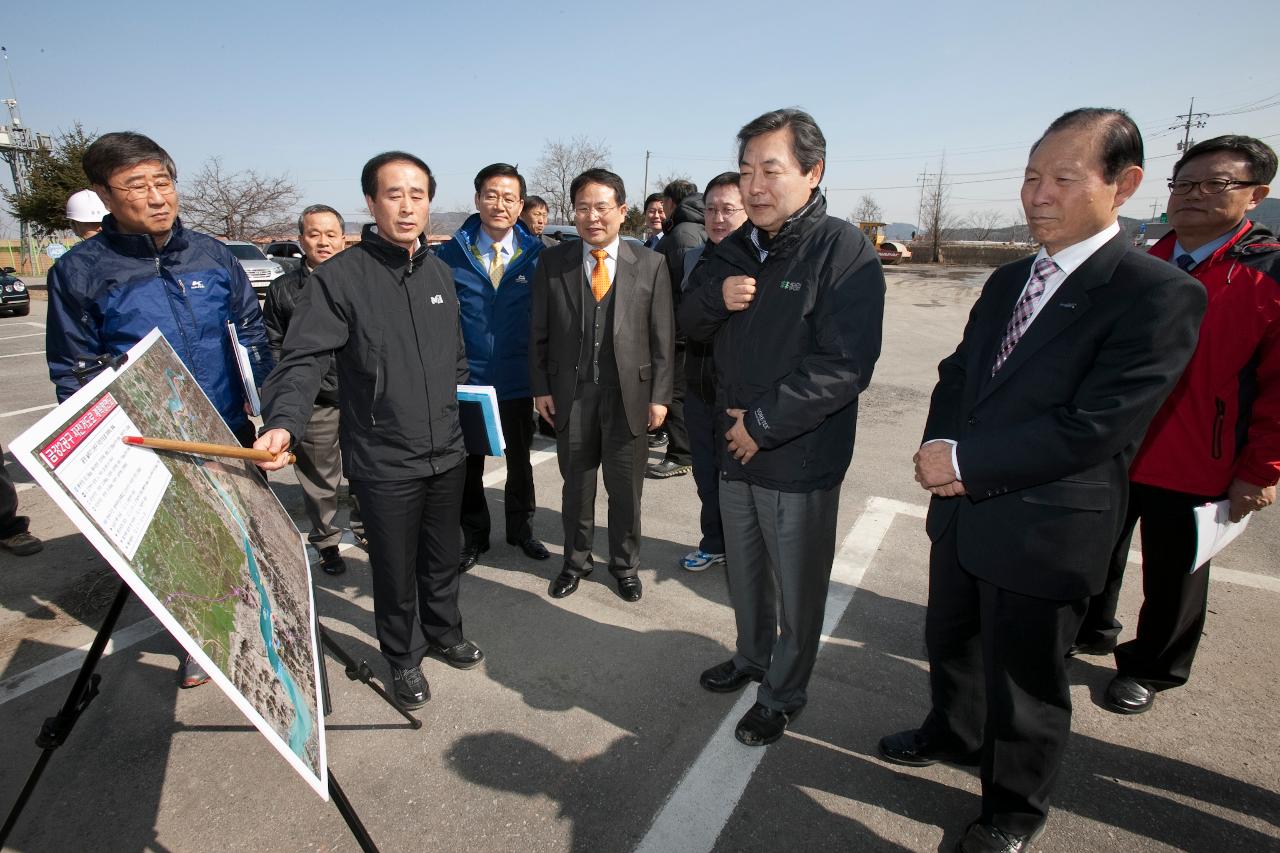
[[599, 275], [1024, 310], [496, 266]]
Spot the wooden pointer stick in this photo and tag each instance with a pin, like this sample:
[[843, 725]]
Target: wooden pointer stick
[[201, 448]]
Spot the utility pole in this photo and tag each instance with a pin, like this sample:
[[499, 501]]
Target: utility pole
[[923, 178], [1193, 119], [1154, 205], [645, 191], [17, 146]]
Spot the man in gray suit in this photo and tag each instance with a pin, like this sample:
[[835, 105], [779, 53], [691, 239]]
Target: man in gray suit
[[601, 348]]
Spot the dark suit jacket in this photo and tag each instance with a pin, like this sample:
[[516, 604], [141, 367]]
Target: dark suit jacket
[[1045, 444], [643, 329]]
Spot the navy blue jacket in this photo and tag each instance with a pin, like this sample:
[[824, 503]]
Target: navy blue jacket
[[110, 291], [495, 323]]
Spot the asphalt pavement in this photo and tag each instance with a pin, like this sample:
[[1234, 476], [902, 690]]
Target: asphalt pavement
[[585, 729]]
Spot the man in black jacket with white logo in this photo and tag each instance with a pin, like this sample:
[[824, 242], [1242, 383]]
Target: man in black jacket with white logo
[[387, 309], [794, 302]]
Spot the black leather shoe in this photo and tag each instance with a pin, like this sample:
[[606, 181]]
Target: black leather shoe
[[565, 584], [665, 469], [630, 589], [411, 688], [984, 838], [912, 749], [1097, 647], [331, 562], [533, 549], [1127, 695], [727, 678], [762, 725], [470, 556], [462, 656], [658, 439]]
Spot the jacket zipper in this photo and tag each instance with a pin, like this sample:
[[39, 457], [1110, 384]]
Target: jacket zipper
[[1218, 420], [177, 321], [377, 381]]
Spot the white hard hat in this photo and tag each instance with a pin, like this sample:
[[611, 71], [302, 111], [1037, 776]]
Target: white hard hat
[[85, 206]]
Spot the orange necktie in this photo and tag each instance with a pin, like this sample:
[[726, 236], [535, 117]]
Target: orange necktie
[[599, 275]]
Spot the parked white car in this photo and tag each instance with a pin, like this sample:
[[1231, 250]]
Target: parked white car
[[260, 269]]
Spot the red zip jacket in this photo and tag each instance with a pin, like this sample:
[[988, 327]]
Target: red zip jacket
[[1222, 421]]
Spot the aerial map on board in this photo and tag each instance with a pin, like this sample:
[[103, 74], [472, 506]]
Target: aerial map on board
[[202, 541]]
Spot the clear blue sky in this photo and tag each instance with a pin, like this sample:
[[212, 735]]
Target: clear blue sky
[[313, 89]]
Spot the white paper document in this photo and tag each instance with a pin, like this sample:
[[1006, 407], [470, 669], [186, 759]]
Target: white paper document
[[246, 371], [120, 486], [1215, 530]]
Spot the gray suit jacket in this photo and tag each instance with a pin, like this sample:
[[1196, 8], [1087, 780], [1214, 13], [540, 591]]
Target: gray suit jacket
[[643, 329]]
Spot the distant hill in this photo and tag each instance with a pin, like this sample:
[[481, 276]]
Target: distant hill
[[899, 231]]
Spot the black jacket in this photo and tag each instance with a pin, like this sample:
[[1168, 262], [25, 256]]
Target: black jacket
[[391, 320], [277, 311], [699, 363], [684, 232], [799, 355]]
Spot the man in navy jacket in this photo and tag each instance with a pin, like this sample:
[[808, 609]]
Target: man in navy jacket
[[493, 258], [145, 271]]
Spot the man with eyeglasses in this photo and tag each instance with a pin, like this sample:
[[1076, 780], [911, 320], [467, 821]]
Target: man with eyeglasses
[[493, 258], [145, 270], [601, 371], [1218, 434], [724, 214]]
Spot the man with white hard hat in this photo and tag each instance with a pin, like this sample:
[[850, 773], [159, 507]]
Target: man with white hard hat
[[85, 210]]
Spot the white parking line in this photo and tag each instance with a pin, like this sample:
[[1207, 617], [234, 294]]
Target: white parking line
[[21, 354], [27, 411], [705, 798], [69, 662], [16, 337]]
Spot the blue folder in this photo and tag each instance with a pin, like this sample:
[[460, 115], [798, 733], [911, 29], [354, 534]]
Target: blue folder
[[481, 426]]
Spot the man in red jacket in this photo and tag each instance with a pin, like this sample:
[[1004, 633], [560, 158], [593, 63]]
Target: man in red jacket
[[1218, 434]]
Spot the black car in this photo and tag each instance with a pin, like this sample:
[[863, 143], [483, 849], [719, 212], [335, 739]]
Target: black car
[[286, 253], [14, 298]]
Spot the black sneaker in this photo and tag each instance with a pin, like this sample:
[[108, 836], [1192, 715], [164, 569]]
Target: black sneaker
[[666, 469], [331, 562], [411, 688]]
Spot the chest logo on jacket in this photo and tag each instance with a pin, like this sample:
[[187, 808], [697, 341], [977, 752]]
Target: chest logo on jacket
[[793, 286], [437, 300]]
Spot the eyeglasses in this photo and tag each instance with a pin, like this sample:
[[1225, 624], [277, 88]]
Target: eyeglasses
[[137, 191], [1209, 187], [504, 200], [602, 210], [723, 212]]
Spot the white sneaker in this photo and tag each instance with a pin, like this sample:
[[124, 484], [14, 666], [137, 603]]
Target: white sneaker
[[699, 560]]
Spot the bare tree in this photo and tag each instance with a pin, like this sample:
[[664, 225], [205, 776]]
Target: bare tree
[[868, 210], [936, 219], [1020, 233], [238, 205], [660, 182], [561, 162], [983, 223]]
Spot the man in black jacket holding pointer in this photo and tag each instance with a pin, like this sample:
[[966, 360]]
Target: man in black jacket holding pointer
[[794, 302], [387, 309]]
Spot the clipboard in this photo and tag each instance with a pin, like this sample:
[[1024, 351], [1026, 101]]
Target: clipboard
[[481, 426]]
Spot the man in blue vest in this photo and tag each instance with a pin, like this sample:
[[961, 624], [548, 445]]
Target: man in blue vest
[[493, 257]]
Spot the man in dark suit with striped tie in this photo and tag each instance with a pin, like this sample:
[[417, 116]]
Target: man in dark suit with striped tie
[[1031, 428]]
